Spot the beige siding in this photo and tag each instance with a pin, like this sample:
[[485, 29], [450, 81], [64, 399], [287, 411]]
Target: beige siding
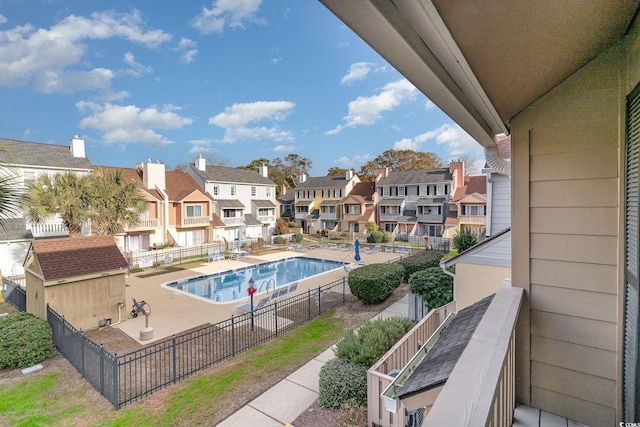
[[566, 244], [474, 282], [85, 302]]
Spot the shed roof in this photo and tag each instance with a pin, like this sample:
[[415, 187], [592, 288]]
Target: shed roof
[[77, 256], [435, 368]]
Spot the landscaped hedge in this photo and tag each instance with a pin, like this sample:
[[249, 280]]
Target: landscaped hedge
[[372, 340], [433, 285], [420, 261], [25, 340], [342, 381], [374, 283]]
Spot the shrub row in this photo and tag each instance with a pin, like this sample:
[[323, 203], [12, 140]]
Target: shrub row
[[420, 261], [374, 283], [433, 285], [25, 340], [343, 380]]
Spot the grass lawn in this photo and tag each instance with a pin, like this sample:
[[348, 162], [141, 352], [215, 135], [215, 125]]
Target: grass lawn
[[199, 400]]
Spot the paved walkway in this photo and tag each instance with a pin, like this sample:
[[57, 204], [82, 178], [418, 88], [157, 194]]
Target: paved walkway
[[285, 401]]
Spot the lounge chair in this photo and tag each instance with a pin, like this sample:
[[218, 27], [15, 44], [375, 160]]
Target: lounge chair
[[293, 287], [375, 249], [389, 248], [340, 246], [246, 308], [400, 250], [215, 256], [350, 247]]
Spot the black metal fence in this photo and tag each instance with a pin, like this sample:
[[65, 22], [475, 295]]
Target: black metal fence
[[132, 376], [13, 293]]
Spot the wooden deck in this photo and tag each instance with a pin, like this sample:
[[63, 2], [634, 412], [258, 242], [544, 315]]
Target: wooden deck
[[526, 416]]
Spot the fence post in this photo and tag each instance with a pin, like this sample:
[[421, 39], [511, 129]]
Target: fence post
[[64, 347], [129, 266], [233, 337], [82, 354], [344, 293], [175, 368], [319, 301], [102, 369], [116, 382], [309, 304], [275, 313]]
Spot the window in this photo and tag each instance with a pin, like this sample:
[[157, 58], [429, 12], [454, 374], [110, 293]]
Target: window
[[473, 210], [302, 209], [194, 210], [216, 190], [402, 191], [327, 209], [29, 177], [229, 213], [268, 191], [353, 209], [233, 190], [253, 191], [440, 190], [301, 194]]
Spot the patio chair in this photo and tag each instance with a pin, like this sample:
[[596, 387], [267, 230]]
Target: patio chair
[[400, 250], [246, 308], [292, 287], [340, 246], [389, 248], [375, 249], [350, 247], [215, 256]]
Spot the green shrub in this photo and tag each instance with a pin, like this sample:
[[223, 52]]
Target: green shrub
[[467, 237], [420, 261], [374, 283], [433, 285], [372, 340], [298, 237], [293, 224], [278, 240], [25, 341], [342, 382], [387, 237], [375, 237]]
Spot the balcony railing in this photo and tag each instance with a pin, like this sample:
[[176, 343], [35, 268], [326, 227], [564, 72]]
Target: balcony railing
[[473, 219], [351, 217], [49, 230], [266, 218], [437, 218], [195, 221], [333, 216], [481, 389], [397, 357], [233, 221], [146, 224], [389, 217]]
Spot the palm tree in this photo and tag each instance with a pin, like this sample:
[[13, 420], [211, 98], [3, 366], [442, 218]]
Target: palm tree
[[115, 203], [9, 196], [65, 194]]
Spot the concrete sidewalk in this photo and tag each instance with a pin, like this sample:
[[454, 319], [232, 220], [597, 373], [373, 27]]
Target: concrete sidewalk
[[285, 401]]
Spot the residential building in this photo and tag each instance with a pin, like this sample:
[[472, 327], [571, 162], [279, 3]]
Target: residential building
[[468, 207], [562, 80], [317, 200], [27, 161], [245, 200], [178, 211], [286, 203], [358, 207], [414, 202], [499, 187]]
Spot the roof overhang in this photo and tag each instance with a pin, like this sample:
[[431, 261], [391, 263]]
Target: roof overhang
[[484, 61]]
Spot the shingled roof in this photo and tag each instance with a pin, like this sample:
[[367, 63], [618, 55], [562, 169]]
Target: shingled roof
[[329, 181], [77, 256], [423, 176], [14, 229], [180, 185], [435, 368], [232, 175], [36, 154]]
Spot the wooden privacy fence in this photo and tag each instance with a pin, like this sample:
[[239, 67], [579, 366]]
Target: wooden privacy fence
[[132, 376]]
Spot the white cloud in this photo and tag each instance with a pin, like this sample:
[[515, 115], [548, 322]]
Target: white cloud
[[201, 146], [188, 49], [230, 13], [284, 148], [344, 161], [44, 55], [357, 71], [235, 119], [137, 69], [457, 142], [365, 111], [131, 124], [3, 19]]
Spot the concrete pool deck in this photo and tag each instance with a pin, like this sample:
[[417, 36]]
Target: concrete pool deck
[[173, 312]]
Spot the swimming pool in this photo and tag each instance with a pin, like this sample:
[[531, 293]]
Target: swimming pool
[[231, 285]]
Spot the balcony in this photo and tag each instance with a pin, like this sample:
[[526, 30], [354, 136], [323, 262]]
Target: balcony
[[329, 216], [351, 217], [473, 219], [145, 224], [435, 218], [389, 217], [481, 388], [194, 221], [266, 218], [48, 230], [231, 221]]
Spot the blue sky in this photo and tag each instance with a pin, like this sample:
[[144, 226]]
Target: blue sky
[[234, 79]]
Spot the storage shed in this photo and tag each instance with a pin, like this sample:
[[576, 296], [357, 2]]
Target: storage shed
[[81, 278]]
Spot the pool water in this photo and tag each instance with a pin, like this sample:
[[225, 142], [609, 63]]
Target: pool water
[[228, 286]]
